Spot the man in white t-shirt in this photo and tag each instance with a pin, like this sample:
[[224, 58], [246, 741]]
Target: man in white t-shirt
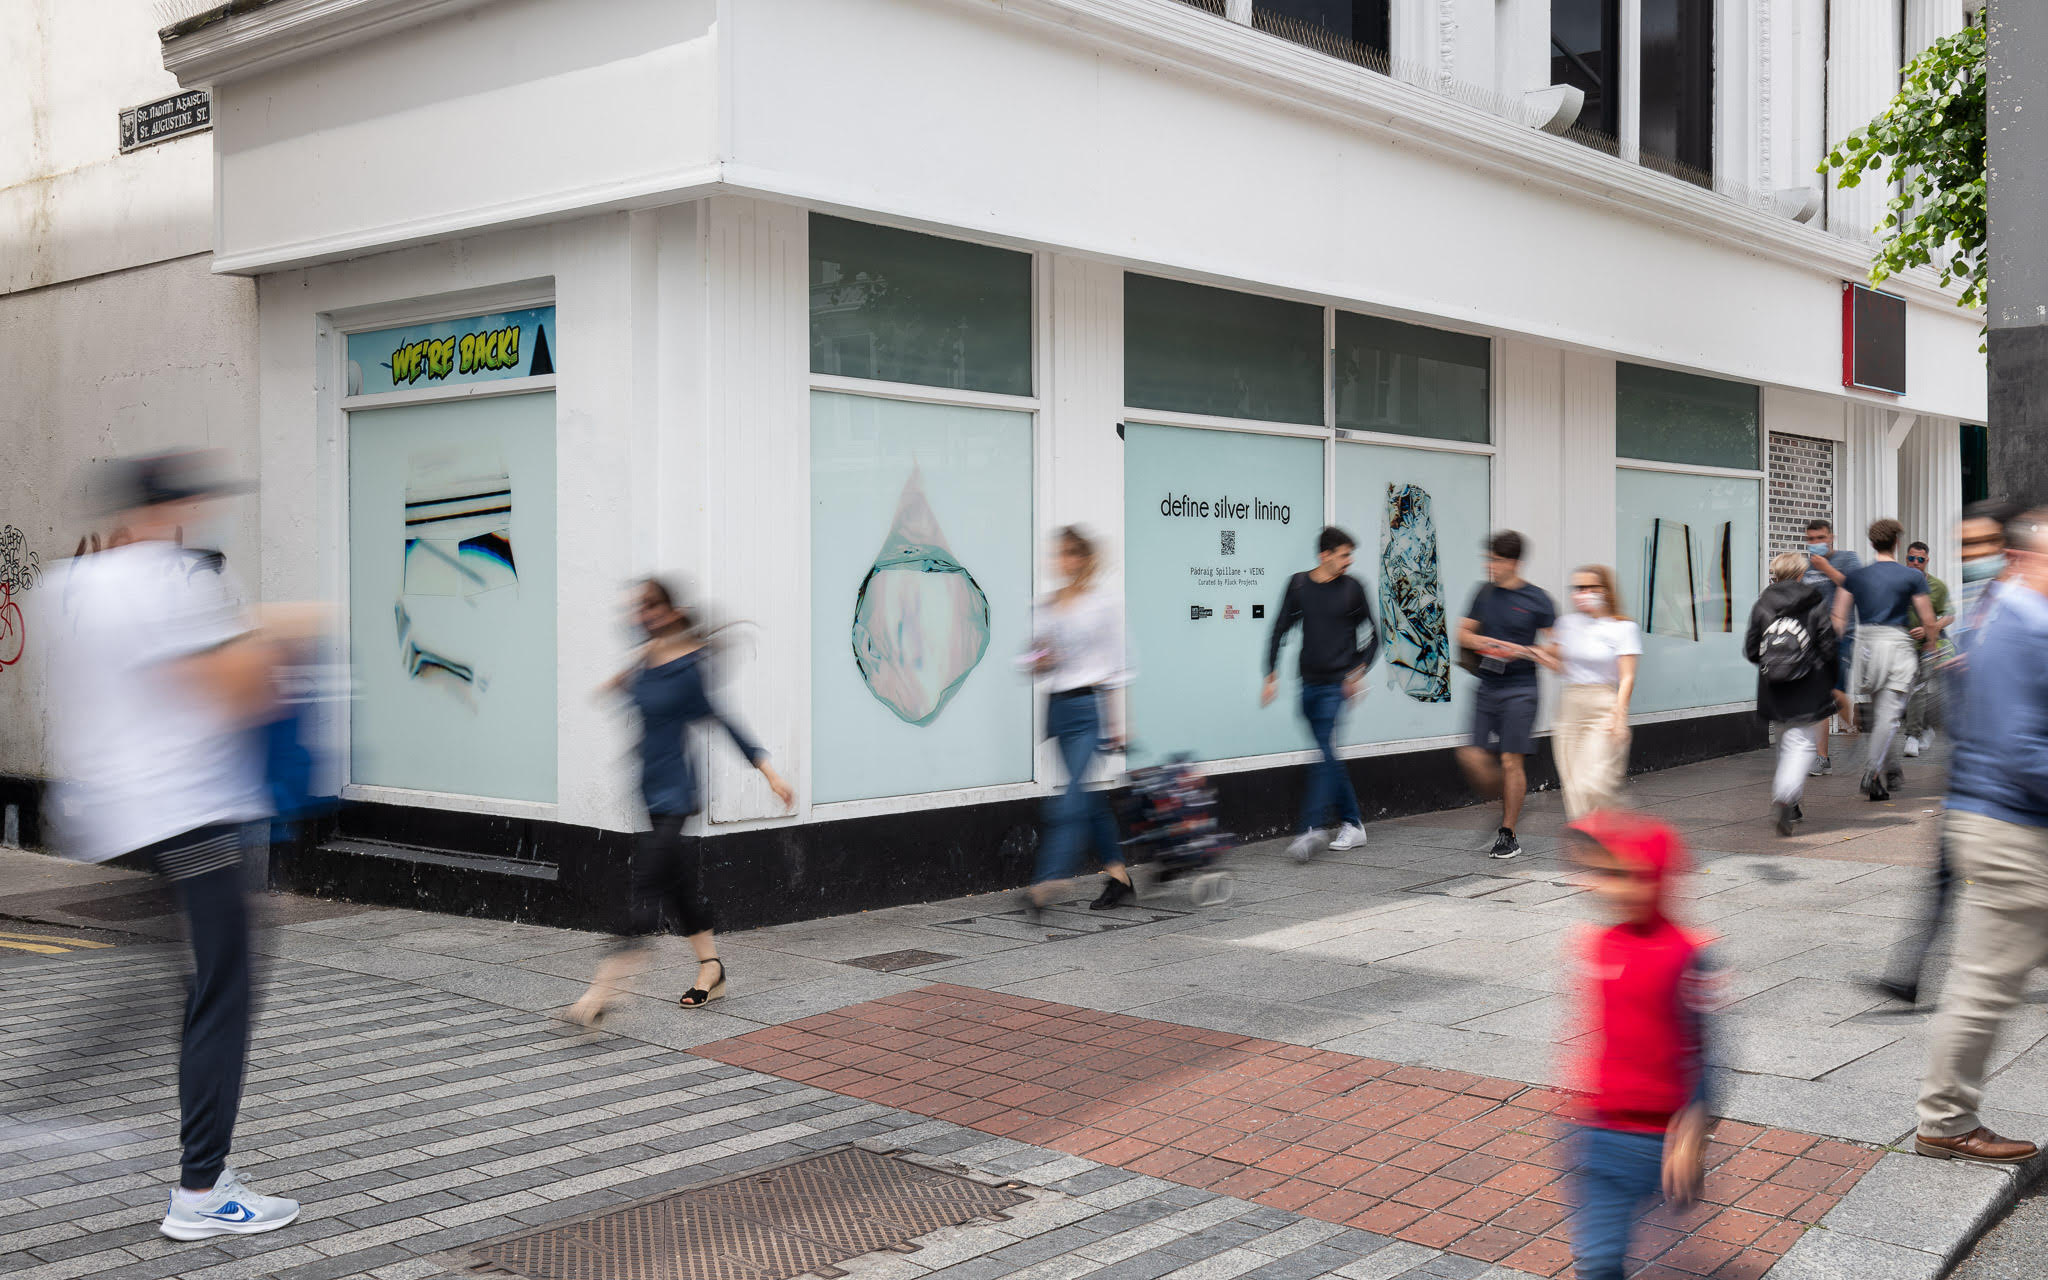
[[158, 677]]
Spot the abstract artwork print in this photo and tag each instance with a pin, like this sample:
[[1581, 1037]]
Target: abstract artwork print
[[1412, 618], [920, 621]]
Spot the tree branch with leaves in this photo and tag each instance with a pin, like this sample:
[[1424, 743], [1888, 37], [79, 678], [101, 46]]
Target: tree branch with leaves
[[1930, 140]]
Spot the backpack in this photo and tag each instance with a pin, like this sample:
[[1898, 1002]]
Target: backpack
[[1787, 651]]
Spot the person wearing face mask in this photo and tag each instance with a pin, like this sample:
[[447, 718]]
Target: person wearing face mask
[[1923, 708], [1596, 647], [1983, 540], [1827, 569], [667, 686]]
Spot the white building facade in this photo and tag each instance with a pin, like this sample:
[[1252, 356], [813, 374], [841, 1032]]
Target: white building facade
[[839, 308]]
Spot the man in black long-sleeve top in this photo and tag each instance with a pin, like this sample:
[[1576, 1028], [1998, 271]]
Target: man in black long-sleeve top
[[1331, 607]]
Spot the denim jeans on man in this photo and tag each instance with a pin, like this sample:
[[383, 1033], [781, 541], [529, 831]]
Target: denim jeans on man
[[1329, 787], [1615, 1173], [1076, 814]]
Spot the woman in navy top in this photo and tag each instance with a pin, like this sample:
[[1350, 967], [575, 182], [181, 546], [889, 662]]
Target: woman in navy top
[[667, 687]]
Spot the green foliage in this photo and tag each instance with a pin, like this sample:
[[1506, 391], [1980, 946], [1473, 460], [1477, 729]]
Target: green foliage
[[1931, 140]]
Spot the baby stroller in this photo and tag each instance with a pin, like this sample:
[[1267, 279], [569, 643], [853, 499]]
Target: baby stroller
[[1171, 815]]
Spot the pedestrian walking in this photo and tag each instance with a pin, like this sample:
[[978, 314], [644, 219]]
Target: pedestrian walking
[[1924, 706], [158, 685], [1644, 986], [1079, 646], [1886, 597], [1827, 569], [1596, 647], [1997, 831], [668, 685], [1983, 542], [1793, 643], [1331, 607], [1503, 631]]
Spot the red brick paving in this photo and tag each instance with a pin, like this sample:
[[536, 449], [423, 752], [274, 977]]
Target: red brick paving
[[1445, 1159]]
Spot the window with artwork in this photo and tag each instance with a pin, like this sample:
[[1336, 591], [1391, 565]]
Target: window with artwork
[[1420, 517], [1688, 562], [1214, 523], [1404, 379], [921, 591], [1662, 415], [899, 306], [1189, 348]]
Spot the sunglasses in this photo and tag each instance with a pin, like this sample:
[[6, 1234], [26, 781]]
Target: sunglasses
[[1916, 559]]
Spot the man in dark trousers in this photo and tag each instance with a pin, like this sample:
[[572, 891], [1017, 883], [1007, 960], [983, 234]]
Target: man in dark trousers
[[1331, 607], [1505, 625]]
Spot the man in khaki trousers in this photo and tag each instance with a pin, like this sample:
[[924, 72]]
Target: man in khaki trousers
[[1998, 840]]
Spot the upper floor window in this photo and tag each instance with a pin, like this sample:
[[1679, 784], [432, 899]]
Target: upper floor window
[[1671, 105], [1345, 28], [1584, 35]]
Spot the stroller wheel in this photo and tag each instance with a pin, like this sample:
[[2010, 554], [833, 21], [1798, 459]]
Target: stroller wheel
[[1212, 888]]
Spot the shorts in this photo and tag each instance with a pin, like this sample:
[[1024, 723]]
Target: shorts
[[1504, 717]]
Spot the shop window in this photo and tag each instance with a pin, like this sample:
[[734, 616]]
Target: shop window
[[1678, 88], [1189, 348], [1407, 380], [1976, 463], [1584, 35], [921, 592], [451, 555], [897, 306], [1687, 560], [1420, 517], [1214, 523], [1664, 416], [1355, 30]]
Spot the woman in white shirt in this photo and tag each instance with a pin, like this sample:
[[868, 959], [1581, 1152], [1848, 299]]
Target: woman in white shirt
[[1595, 648], [1077, 645]]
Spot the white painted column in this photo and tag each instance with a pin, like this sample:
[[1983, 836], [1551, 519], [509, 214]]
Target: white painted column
[[1521, 46], [1741, 75], [1866, 476], [1928, 21], [756, 451], [1586, 438], [1414, 39], [1793, 106], [1629, 82], [1863, 76], [1529, 475], [1931, 492]]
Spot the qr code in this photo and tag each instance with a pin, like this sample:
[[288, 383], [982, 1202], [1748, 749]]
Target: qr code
[[1229, 542]]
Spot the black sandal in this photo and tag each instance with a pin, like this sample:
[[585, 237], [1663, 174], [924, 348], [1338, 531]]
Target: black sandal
[[698, 997]]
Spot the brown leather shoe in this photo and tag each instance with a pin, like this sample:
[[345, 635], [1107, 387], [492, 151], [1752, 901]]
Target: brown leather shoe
[[1979, 1144]]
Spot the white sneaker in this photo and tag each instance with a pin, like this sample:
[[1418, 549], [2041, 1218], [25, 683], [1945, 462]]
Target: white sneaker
[[1304, 846], [1912, 747], [1349, 836], [230, 1209]]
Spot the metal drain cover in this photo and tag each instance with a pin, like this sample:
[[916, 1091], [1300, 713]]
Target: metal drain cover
[[772, 1224], [897, 961]]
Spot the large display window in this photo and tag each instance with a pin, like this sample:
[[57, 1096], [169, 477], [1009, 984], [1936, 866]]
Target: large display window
[[451, 552], [1688, 561], [1420, 517], [921, 577], [1214, 523]]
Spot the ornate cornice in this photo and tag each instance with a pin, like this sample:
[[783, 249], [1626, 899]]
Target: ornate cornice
[[242, 41]]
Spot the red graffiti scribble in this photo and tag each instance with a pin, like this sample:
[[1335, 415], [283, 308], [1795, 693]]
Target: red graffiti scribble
[[13, 628]]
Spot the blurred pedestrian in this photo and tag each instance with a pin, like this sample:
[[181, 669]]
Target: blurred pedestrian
[[1983, 540], [1644, 986], [1886, 597], [1504, 629], [668, 685], [1924, 706], [1793, 643], [1078, 645], [1333, 611], [1997, 829], [1826, 570], [157, 685], [1596, 646]]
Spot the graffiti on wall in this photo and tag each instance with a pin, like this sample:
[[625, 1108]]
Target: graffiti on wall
[[20, 569]]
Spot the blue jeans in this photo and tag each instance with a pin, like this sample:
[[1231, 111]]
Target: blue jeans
[[1329, 787], [1614, 1175], [1076, 815]]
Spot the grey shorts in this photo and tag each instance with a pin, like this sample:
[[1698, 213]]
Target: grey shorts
[[1504, 717]]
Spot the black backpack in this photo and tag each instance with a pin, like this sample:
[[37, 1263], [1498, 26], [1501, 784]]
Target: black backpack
[[1787, 651]]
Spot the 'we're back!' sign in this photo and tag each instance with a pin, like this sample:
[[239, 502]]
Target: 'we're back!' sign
[[513, 344]]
